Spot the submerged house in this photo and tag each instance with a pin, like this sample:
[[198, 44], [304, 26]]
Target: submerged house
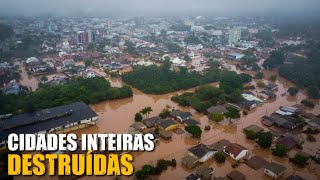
[[236, 151], [202, 152], [58, 119], [274, 170]]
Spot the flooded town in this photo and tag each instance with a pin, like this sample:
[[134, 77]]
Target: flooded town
[[225, 97]]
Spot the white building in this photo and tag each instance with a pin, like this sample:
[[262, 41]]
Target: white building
[[234, 36], [32, 60]]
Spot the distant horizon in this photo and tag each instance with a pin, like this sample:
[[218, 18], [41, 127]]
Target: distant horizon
[[159, 8]]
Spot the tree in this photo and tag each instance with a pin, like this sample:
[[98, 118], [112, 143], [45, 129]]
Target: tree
[[308, 103], [164, 113], [217, 117], [245, 78], [88, 63], [174, 48], [146, 111], [232, 113], [147, 169], [230, 82], [276, 59], [250, 134], [44, 78], [299, 160], [195, 131], [259, 75], [313, 92], [220, 157], [264, 139], [293, 91], [261, 84], [280, 150], [138, 117], [273, 78], [187, 58]]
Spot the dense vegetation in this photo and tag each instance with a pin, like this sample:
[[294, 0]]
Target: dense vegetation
[[154, 170], [91, 90], [195, 131], [160, 80], [276, 59], [204, 97]]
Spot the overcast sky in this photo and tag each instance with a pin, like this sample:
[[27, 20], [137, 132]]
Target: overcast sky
[[141, 7]]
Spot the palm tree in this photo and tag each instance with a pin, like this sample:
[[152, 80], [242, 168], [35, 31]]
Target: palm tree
[[148, 110], [144, 111]]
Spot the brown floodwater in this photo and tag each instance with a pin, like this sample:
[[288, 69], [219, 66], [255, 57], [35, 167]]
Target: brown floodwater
[[27, 80], [117, 115]]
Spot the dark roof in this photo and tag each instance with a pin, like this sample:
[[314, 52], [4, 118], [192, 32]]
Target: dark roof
[[189, 161], [217, 109], [295, 177], [253, 128], [270, 87], [199, 150], [246, 104], [288, 142], [167, 123], [184, 115], [190, 122], [275, 168], [256, 162], [234, 149], [236, 175], [219, 145], [204, 171], [175, 113], [192, 177], [45, 119], [165, 134], [265, 120], [150, 122]]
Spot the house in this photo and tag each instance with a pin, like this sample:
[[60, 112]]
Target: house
[[192, 177], [235, 56], [191, 122], [287, 142], [267, 121], [246, 104], [189, 161], [168, 125], [32, 60], [251, 97], [219, 109], [236, 151], [219, 145], [68, 63], [274, 170], [138, 126], [153, 121], [204, 171], [202, 152], [60, 119], [314, 123], [183, 116], [253, 128], [267, 95], [236, 175], [175, 113], [165, 134], [256, 162], [13, 87], [271, 87]]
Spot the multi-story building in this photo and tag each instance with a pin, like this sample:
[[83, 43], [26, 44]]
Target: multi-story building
[[234, 35]]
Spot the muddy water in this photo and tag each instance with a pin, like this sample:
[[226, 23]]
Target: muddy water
[[27, 80], [116, 116]]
